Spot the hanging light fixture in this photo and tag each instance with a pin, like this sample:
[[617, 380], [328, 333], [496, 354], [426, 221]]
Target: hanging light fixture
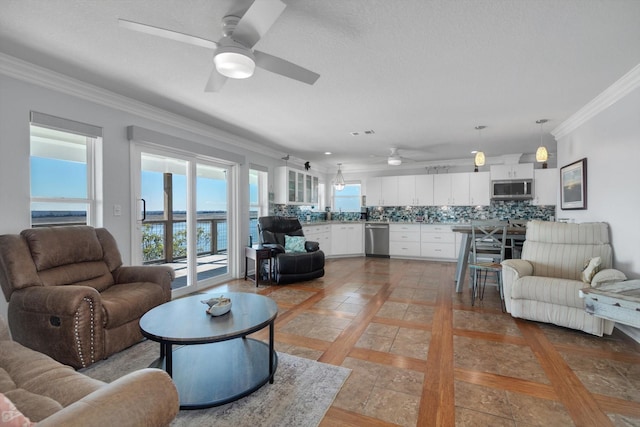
[[338, 182], [541, 153], [479, 159]]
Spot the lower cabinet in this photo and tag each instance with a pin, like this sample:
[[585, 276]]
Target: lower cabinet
[[320, 234], [347, 239], [437, 241], [404, 240]]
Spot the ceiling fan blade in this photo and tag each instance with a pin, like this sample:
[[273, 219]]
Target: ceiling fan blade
[[167, 34], [257, 20], [285, 68], [215, 82]]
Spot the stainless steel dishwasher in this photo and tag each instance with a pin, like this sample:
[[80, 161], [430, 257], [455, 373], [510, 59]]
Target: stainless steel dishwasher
[[376, 240]]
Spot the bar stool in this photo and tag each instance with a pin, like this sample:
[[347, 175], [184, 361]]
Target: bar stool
[[488, 241], [516, 245]]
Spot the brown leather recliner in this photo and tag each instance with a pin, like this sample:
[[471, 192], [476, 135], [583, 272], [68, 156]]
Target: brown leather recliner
[[69, 295]]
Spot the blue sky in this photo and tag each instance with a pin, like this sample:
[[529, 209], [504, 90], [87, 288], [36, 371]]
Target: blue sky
[[211, 193], [60, 178]]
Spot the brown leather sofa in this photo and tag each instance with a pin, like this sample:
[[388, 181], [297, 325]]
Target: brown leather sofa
[[69, 295], [53, 394]]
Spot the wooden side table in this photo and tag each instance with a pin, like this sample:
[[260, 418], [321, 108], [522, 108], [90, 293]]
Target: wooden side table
[[257, 253], [619, 302]]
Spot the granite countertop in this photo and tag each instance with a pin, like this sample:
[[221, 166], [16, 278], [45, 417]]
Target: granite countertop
[[324, 222]]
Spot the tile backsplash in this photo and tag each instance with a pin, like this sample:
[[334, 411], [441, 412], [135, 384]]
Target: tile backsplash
[[502, 210]]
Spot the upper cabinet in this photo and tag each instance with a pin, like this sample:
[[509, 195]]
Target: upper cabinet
[[451, 189], [292, 186], [382, 191], [480, 188], [515, 171], [415, 190], [424, 190], [546, 187]]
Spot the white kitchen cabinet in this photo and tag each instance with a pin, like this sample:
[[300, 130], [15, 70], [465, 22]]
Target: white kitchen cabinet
[[460, 189], [546, 186], [424, 190], [480, 188], [292, 186], [389, 189], [442, 189], [437, 242], [347, 239], [415, 190], [406, 190], [382, 191], [374, 191], [451, 189], [320, 233], [515, 171], [404, 240]]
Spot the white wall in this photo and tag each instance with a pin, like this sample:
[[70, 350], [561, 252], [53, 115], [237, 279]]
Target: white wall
[[18, 98], [611, 143]]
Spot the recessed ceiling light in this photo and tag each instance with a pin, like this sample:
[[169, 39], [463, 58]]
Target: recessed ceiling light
[[328, 153], [474, 151]]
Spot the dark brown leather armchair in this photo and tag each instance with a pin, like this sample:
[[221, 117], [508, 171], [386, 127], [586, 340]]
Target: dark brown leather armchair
[[290, 267], [69, 295]]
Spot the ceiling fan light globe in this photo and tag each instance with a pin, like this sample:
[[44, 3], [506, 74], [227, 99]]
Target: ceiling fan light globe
[[541, 154], [235, 65], [394, 161]]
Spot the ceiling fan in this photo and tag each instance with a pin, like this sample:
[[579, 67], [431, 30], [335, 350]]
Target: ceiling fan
[[395, 159], [234, 56]]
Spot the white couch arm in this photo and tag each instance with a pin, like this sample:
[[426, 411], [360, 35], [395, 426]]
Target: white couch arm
[[608, 275], [512, 270]]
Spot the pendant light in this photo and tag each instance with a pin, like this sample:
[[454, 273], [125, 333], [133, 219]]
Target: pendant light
[[541, 153], [479, 159], [338, 182]]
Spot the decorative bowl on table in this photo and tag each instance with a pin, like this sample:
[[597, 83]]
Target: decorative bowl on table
[[218, 305]]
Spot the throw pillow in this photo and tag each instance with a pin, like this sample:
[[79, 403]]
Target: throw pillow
[[607, 276], [590, 269], [294, 244], [10, 416]]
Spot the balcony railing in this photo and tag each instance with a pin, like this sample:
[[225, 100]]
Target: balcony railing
[[211, 238]]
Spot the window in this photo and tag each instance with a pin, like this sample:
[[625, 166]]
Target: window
[[258, 203], [64, 187], [347, 200]]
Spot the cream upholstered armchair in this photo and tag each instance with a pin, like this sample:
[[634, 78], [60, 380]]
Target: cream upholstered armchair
[[544, 284], [69, 295]]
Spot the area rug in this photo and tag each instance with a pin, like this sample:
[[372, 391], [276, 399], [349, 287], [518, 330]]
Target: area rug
[[300, 395]]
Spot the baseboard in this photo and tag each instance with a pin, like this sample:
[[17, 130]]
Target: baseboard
[[630, 331]]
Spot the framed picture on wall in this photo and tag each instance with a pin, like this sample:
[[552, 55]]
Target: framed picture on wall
[[573, 185]]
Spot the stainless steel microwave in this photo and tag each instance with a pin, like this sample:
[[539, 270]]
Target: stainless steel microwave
[[512, 189]]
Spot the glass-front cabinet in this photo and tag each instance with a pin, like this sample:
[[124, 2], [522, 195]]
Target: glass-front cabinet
[[300, 187], [292, 186]]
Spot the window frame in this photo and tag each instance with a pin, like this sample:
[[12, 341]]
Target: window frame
[[93, 161], [336, 196], [262, 205]]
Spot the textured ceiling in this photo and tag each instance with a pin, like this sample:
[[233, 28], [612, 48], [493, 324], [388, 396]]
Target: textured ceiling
[[421, 74]]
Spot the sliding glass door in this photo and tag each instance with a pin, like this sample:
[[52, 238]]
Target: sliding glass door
[[182, 216]]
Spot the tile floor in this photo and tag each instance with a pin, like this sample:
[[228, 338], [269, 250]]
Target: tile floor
[[401, 328]]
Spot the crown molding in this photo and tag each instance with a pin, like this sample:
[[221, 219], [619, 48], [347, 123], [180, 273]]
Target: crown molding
[[31, 73], [625, 85]]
